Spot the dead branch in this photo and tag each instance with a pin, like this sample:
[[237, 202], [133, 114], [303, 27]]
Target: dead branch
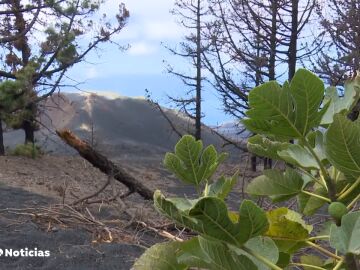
[[162, 233], [86, 198], [239, 145], [105, 165], [163, 113]]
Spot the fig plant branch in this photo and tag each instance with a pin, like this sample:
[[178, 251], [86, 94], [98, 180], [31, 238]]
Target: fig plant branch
[[322, 163]]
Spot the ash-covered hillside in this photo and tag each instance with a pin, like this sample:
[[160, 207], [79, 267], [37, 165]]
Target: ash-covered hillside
[[115, 125]]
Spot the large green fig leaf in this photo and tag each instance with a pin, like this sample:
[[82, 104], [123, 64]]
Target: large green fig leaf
[[192, 255], [216, 223], [221, 257], [287, 229], [213, 220], [342, 143], [300, 156], [222, 187], [341, 104], [276, 183], [263, 246], [289, 111], [346, 238], [190, 163], [252, 218], [161, 256], [265, 147], [206, 254], [308, 92], [175, 209], [210, 218], [271, 111]]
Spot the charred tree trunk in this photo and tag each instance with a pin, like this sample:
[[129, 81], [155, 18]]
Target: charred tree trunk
[[198, 74], [29, 131], [354, 114], [293, 39], [103, 164], [273, 42], [272, 58], [2, 148], [267, 163], [253, 162]]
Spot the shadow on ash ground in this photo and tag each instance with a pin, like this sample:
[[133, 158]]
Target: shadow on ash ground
[[27, 186]]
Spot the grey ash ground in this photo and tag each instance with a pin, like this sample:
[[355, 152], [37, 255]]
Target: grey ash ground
[[31, 189]]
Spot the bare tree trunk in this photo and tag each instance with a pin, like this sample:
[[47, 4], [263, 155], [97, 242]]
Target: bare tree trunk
[[273, 43], [2, 148], [253, 162], [198, 74], [29, 131], [354, 114], [272, 58], [293, 39]]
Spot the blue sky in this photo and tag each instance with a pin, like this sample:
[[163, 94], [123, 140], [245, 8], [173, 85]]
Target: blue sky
[[141, 67]]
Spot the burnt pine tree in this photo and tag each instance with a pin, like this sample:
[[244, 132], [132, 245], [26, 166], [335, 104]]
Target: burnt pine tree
[[243, 51], [340, 58], [46, 38], [253, 42], [190, 15]]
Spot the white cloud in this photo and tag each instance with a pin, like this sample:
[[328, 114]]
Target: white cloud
[[142, 48], [163, 30], [92, 73], [149, 20], [149, 9]]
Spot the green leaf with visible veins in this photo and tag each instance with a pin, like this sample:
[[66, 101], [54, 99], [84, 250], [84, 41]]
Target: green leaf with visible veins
[[161, 256], [213, 220], [206, 254], [222, 187], [191, 254], [346, 238], [300, 156], [191, 163], [265, 147], [271, 111], [178, 212], [276, 183], [287, 229], [263, 246], [308, 92], [290, 111], [210, 217], [253, 218], [222, 258], [342, 144]]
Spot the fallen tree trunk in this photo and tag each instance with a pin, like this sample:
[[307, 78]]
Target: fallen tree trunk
[[103, 164]]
